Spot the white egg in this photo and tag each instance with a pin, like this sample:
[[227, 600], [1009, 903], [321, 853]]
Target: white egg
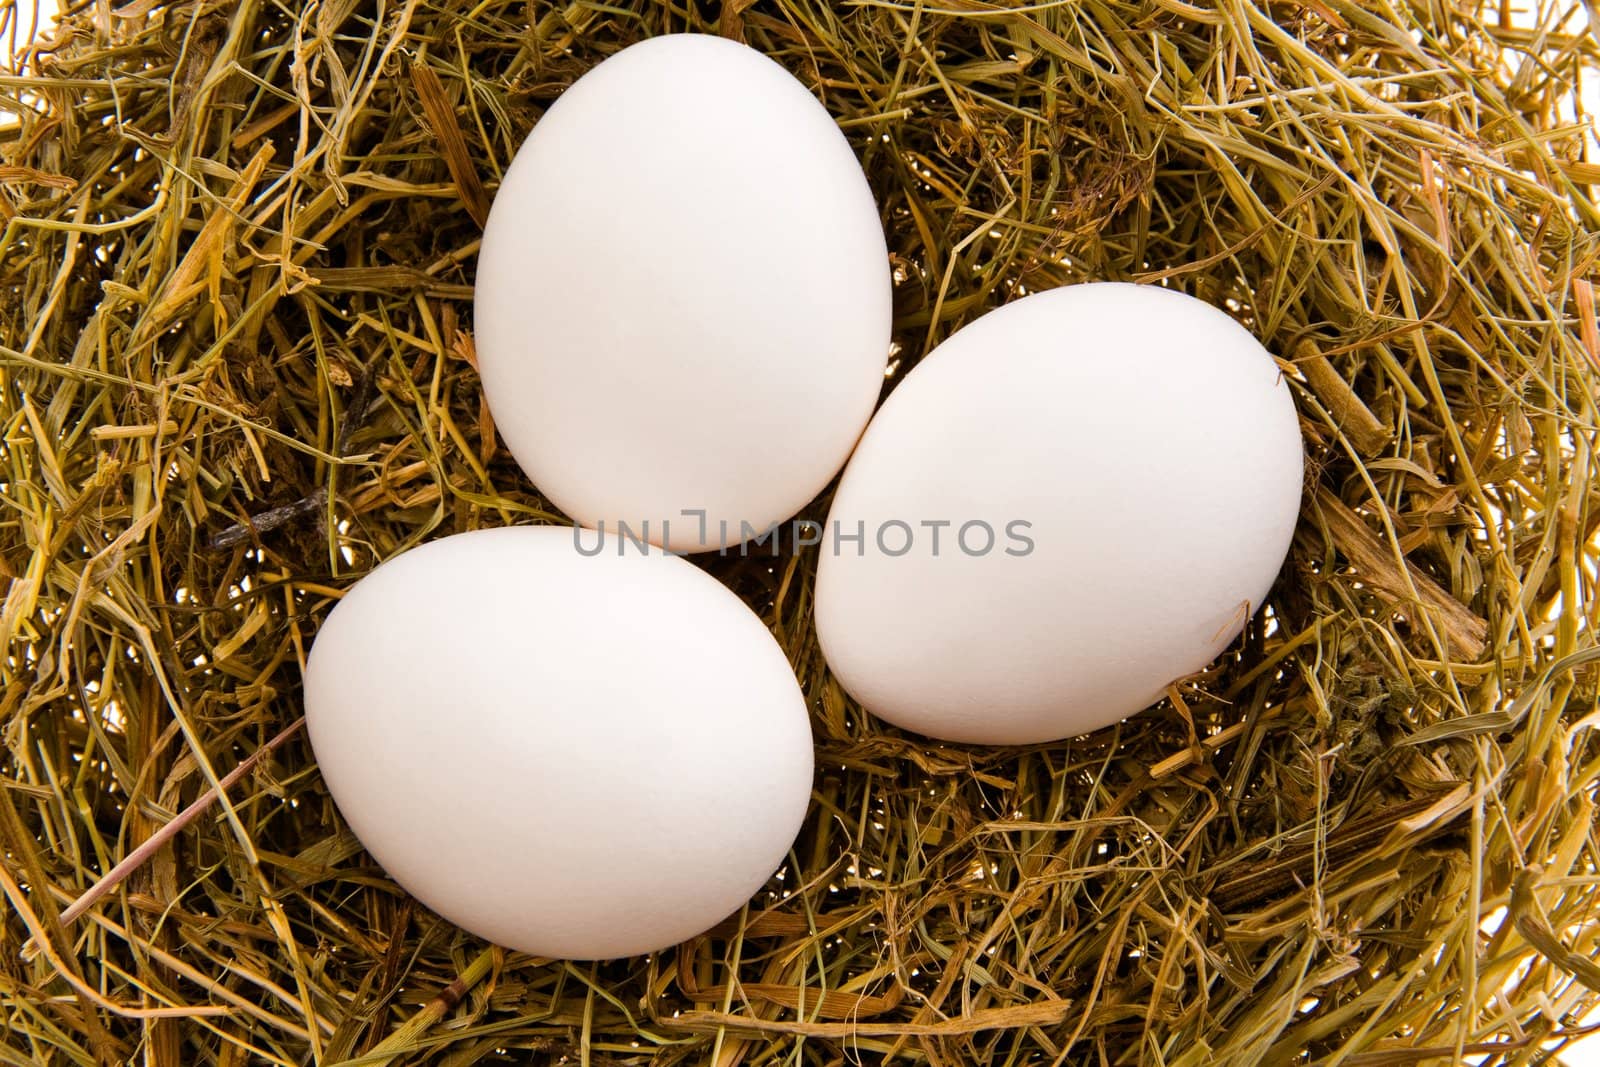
[[575, 756], [683, 296], [1119, 468]]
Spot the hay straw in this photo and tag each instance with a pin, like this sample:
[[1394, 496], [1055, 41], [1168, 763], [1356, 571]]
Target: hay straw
[[235, 336]]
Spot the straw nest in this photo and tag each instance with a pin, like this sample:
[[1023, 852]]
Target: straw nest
[[235, 333]]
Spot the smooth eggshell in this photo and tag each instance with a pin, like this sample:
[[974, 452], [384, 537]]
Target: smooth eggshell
[[1151, 443], [683, 295], [571, 756]]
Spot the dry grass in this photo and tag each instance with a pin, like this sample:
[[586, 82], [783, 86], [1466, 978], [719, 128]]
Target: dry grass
[[234, 281]]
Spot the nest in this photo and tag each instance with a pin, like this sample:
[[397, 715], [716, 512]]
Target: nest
[[236, 255]]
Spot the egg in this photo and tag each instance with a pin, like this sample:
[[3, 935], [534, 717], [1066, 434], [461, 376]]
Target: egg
[[682, 304], [570, 752], [1069, 504]]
